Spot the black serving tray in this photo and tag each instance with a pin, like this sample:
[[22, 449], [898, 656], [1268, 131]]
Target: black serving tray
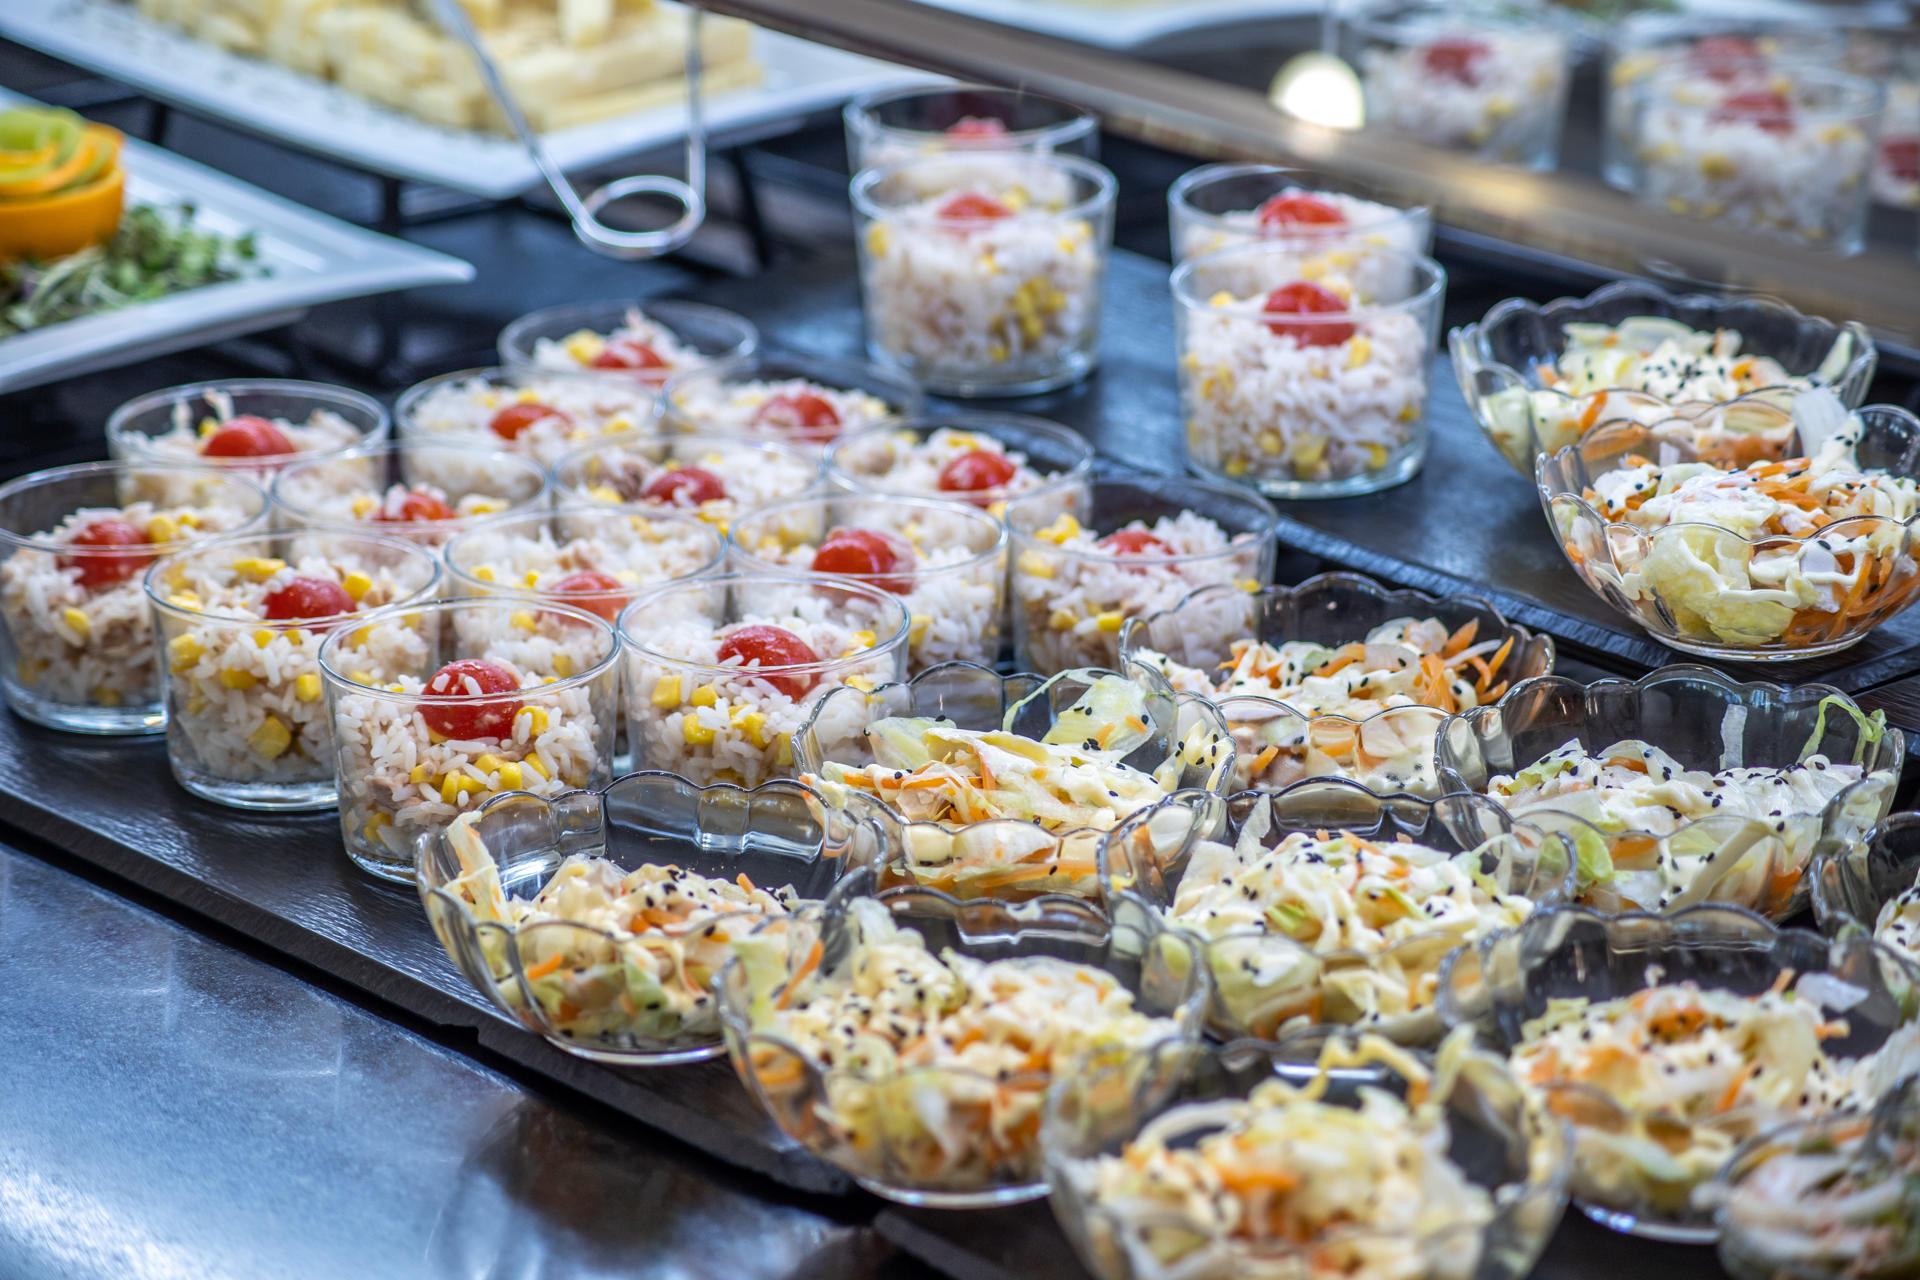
[[1467, 522]]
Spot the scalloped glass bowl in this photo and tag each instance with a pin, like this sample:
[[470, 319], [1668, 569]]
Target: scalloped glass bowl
[[1853, 880], [1705, 720], [1498, 1139], [1573, 952], [818, 1104], [975, 698], [1331, 609], [1497, 358], [1266, 984], [776, 834], [1653, 576]]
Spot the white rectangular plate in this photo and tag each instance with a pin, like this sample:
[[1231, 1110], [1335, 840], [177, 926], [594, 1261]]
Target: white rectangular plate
[[1126, 24], [311, 258], [111, 38]]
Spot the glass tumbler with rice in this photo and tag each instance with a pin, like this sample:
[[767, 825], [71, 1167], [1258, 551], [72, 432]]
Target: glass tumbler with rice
[[76, 637], [1305, 371], [539, 413], [586, 555], [1138, 546], [257, 424], [642, 343], [239, 622], [802, 400], [982, 459], [899, 124], [946, 562], [1219, 206], [721, 671], [981, 272], [495, 695], [423, 492]]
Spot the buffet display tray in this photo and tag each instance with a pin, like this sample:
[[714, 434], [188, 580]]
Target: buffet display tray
[[1467, 522]]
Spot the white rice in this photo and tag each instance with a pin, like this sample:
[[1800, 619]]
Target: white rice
[[1512, 113], [579, 349], [996, 299], [905, 462], [324, 431], [93, 646], [753, 473], [1071, 598], [246, 699], [397, 781], [634, 550], [583, 408], [731, 725], [386, 512], [1375, 238], [1262, 406], [1807, 184], [742, 409]]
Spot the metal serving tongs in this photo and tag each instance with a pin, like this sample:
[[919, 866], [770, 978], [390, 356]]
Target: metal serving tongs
[[689, 194]]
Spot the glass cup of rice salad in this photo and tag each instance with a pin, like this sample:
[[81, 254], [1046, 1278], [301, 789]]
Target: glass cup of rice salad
[[641, 342], [899, 124], [1304, 373], [542, 415], [981, 272], [982, 459], [1218, 206], [802, 400], [1460, 77], [713, 477], [423, 492], [946, 562], [260, 424], [76, 647], [722, 671], [493, 695], [1786, 151], [1137, 547], [239, 622]]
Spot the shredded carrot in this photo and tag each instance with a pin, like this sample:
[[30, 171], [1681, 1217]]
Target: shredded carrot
[[1461, 638], [550, 965], [1781, 981], [807, 966], [1734, 1086], [1590, 414], [1265, 758], [743, 882], [1499, 656], [1345, 656]]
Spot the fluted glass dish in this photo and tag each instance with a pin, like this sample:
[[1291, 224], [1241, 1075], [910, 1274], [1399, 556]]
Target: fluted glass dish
[[1872, 884]]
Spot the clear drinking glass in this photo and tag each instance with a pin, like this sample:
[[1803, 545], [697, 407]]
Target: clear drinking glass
[[797, 399], [899, 124], [540, 413], [285, 421], [422, 491], [605, 337], [1220, 206], [1036, 461]]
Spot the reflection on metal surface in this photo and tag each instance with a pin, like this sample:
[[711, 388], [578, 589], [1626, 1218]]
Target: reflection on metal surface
[[1319, 89], [1574, 217]]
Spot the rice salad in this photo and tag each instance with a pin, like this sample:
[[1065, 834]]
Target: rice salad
[[1271, 395], [1768, 154], [799, 411], [529, 705], [1500, 94], [964, 463], [1301, 709], [77, 621], [947, 565], [712, 477], [1074, 589], [240, 633], [641, 348], [715, 694], [221, 435], [438, 490], [540, 416], [588, 557]]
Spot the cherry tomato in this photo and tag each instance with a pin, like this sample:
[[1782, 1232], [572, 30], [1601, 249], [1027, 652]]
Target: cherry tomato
[[805, 415], [1456, 58], [684, 487], [1902, 156], [977, 127], [976, 471], [106, 568], [1303, 298], [1762, 108], [1298, 209], [626, 353], [301, 598], [415, 506], [1722, 58], [604, 594], [773, 648], [1134, 542], [246, 437], [488, 718], [867, 553], [515, 418], [971, 206]]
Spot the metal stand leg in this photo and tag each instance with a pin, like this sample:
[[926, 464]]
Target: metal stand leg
[[752, 217]]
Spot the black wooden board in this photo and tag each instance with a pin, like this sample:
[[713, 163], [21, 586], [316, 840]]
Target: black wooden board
[[1467, 522], [285, 882]]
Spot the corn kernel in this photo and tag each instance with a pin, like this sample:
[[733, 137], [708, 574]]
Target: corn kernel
[[562, 665], [76, 622], [537, 719], [360, 637], [234, 678], [457, 784], [306, 687], [538, 765], [271, 739], [510, 779], [162, 529], [667, 692], [1308, 451], [483, 573], [1062, 619], [207, 426], [189, 519], [1235, 466], [183, 649], [878, 240], [196, 704], [482, 507], [375, 824], [584, 345], [259, 568], [362, 678], [1060, 530], [487, 762], [1376, 456], [1249, 585], [783, 749], [1270, 442], [863, 639], [1359, 351], [417, 774], [861, 683], [604, 493], [751, 723], [1035, 565], [1223, 298], [696, 734], [1715, 167], [365, 505], [184, 600], [1110, 620], [997, 352], [917, 628], [526, 395], [106, 697], [262, 637], [523, 620], [705, 696]]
